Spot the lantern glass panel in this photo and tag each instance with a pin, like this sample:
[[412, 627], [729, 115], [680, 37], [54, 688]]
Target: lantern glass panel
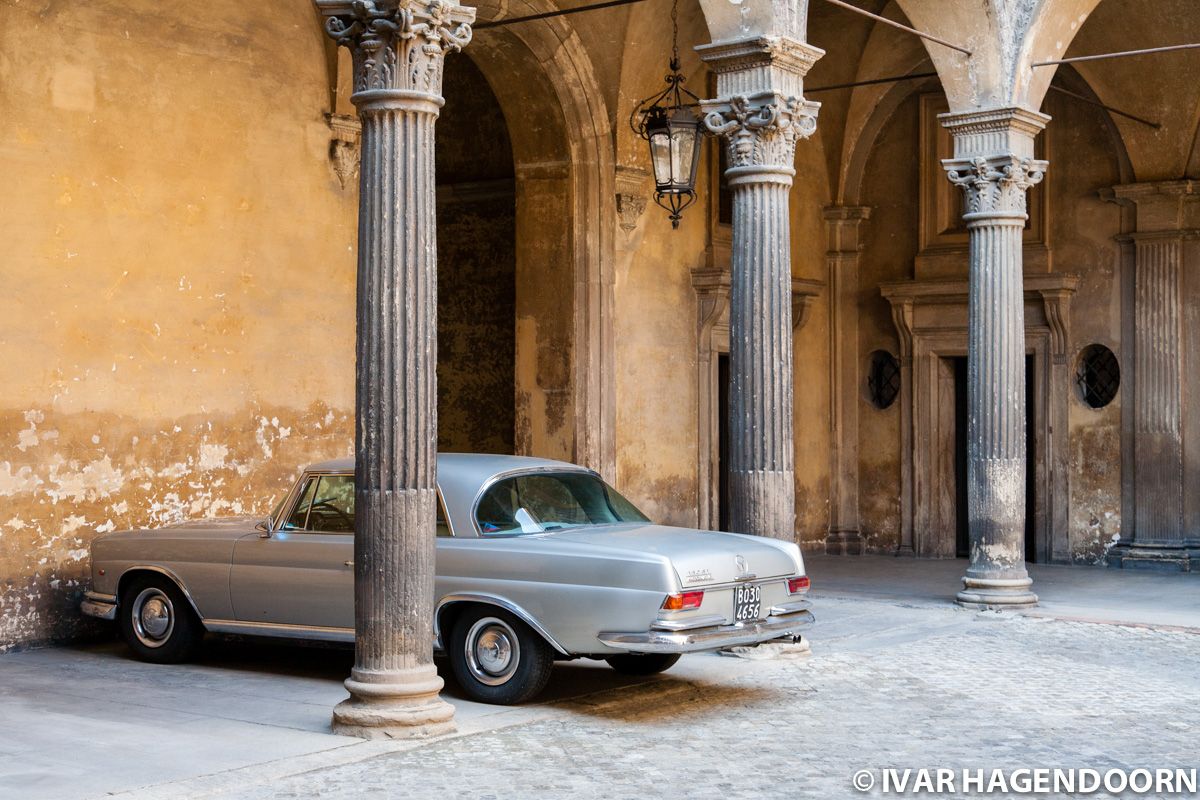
[[683, 146], [660, 155]]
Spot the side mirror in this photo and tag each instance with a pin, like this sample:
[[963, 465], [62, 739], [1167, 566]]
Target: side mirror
[[264, 528]]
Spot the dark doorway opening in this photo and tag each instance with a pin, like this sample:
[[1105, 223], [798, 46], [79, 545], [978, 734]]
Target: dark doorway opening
[[476, 216], [963, 538], [723, 440]]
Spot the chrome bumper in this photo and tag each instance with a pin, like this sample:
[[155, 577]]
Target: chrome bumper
[[714, 638], [100, 606]]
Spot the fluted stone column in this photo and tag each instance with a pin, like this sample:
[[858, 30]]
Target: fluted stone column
[[398, 50], [1161, 534], [762, 113], [993, 163]]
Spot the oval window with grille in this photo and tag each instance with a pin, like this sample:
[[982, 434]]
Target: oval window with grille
[[883, 379], [1098, 375]]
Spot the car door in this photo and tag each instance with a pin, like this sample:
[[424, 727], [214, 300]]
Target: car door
[[303, 573]]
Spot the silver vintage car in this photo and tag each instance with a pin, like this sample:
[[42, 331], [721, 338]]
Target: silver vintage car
[[537, 561]]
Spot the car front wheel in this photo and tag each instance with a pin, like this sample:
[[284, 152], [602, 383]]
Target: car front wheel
[[157, 622], [497, 658], [648, 664]]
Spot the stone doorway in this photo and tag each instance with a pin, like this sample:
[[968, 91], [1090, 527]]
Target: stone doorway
[[931, 321], [952, 458]]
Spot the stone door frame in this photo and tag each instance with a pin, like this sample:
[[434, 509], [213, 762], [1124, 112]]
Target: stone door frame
[[931, 320], [712, 341]]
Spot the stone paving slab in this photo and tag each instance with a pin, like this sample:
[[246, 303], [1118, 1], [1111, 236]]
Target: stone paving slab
[[885, 686]]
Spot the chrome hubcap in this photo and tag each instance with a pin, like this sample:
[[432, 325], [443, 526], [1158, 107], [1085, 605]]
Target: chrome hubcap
[[492, 651], [153, 617]]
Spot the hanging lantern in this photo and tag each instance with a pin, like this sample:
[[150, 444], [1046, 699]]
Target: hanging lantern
[[674, 132]]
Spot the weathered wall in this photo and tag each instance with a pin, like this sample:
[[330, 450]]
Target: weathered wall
[[890, 245], [655, 329], [1083, 230], [178, 333]]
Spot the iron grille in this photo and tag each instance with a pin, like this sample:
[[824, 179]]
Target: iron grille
[[1098, 375], [883, 379]]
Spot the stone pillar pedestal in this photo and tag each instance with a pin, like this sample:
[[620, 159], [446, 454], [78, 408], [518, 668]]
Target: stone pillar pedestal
[[398, 50], [1160, 533], [993, 163], [761, 113], [844, 227]]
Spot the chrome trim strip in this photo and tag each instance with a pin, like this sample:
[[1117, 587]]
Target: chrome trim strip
[[282, 630], [716, 638], [169, 574], [489, 599], [707, 621], [100, 606], [712, 587], [789, 608]]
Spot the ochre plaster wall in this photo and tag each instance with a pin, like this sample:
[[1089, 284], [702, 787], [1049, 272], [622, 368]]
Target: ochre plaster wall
[[182, 336], [890, 245], [1083, 230]]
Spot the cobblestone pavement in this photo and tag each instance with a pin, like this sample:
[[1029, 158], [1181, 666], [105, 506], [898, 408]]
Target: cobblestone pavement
[[885, 685]]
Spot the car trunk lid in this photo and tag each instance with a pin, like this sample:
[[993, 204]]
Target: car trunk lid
[[701, 558]]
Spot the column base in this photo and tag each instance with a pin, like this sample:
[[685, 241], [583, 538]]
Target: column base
[[844, 543], [1155, 558], [996, 593], [905, 551], [403, 704]]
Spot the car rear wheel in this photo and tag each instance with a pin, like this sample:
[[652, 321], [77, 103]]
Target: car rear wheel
[[647, 664], [157, 622], [497, 658]]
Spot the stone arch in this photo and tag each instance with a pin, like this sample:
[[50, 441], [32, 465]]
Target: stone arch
[[1005, 38], [887, 52], [562, 146]]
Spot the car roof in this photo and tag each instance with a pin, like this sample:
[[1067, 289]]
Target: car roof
[[461, 476], [483, 464]]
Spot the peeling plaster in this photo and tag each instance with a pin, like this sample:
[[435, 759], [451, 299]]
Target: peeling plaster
[[149, 474]]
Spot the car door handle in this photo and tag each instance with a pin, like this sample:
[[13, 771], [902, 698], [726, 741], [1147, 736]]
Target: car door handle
[[349, 563]]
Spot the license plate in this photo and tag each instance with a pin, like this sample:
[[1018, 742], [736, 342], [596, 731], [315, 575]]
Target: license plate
[[747, 603]]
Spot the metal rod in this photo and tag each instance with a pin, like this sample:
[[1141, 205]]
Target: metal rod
[[496, 23], [886, 21], [1108, 108], [894, 79], [1121, 54], [919, 75]]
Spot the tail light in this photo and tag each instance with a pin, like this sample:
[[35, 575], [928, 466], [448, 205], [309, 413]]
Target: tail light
[[798, 585], [683, 602]]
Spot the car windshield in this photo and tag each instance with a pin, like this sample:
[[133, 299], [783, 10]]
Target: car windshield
[[549, 501]]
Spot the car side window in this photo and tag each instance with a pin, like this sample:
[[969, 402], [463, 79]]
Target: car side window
[[332, 505], [299, 517], [497, 509]]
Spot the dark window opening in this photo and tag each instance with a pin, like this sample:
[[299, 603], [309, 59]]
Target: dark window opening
[[883, 379], [1098, 375]]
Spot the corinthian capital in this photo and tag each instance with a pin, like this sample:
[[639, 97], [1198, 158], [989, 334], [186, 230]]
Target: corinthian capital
[[995, 186], [762, 134], [398, 44]]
